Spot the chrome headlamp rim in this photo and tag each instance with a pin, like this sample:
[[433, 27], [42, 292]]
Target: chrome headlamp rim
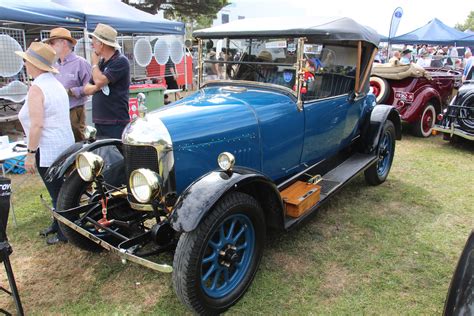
[[89, 165], [145, 184], [226, 161]]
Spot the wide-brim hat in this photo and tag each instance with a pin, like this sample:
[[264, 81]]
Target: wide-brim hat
[[406, 51], [41, 55], [106, 34], [60, 33], [265, 56]]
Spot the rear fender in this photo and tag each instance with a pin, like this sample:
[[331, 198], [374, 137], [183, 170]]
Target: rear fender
[[201, 196], [108, 149], [373, 127], [415, 110]]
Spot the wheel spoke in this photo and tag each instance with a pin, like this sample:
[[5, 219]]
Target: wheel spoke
[[212, 257], [216, 279], [221, 234], [231, 229], [214, 245], [241, 231], [226, 277], [242, 247], [211, 270]]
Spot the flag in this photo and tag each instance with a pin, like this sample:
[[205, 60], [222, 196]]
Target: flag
[[396, 17]]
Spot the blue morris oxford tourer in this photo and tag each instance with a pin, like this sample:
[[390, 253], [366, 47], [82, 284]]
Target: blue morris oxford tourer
[[282, 120]]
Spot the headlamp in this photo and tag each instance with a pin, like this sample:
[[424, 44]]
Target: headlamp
[[144, 184]]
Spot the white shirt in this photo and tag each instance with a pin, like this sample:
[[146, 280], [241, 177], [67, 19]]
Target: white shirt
[[424, 62], [56, 135]]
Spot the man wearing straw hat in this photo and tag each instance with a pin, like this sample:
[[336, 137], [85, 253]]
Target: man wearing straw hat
[[110, 83], [74, 74], [45, 121]]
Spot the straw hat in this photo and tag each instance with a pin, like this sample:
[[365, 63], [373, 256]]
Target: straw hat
[[265, 56], [106, 34], [41, 55], [60, 32]]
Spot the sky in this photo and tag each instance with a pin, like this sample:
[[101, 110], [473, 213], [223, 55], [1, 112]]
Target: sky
[[376, 14]]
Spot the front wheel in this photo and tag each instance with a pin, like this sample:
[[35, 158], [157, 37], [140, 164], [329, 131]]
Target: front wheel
[[425, 125], [215, 263], [378, 172]]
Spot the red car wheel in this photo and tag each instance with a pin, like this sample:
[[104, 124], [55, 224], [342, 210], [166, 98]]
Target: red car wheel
[[425, 125]]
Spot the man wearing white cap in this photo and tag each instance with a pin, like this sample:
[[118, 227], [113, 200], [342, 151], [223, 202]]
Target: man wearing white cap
[[110, 83]]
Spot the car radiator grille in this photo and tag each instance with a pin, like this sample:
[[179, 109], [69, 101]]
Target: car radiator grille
[[137, 157]]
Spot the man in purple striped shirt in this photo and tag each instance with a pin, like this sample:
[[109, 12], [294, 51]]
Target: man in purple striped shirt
[[74, 73]]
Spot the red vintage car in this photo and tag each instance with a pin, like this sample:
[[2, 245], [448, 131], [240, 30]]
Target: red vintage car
[[419, 94]]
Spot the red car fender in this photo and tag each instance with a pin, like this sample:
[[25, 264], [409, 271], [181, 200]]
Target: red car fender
[[415, 110]]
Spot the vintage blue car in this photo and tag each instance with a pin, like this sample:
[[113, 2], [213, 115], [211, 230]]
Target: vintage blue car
[[281, 121]]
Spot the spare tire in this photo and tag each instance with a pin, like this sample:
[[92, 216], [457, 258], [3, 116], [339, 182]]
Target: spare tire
[[467, 122], [380, 88]]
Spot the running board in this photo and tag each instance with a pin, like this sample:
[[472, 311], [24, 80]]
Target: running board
[[334, 180]]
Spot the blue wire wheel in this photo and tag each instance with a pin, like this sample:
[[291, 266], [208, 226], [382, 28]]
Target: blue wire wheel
[[228, 256]]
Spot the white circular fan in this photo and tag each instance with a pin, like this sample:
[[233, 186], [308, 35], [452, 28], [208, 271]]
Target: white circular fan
[[162, 52], [83, 47], [142, 52], [15, 91], [176, 51], [10, 63]]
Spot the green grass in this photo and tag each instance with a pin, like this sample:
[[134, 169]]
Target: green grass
[[389, 249]]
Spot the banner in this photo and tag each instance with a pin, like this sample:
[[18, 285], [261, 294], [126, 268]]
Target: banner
[[396, 17]]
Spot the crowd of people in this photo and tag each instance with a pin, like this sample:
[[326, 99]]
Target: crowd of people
[[426, 55], [53, 116], [431, 56]]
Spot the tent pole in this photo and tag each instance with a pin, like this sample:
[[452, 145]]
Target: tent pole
[[185, 64]]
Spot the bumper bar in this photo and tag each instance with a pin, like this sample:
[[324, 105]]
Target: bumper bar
[[122, 253], [453, 131]]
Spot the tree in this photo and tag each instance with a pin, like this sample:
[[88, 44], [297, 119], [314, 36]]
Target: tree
[[194, 10], [468, 24]]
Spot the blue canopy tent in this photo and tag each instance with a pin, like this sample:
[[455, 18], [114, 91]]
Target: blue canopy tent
[[86, 14], [39, 12], [124, 18], [435, 32], [466, 41]]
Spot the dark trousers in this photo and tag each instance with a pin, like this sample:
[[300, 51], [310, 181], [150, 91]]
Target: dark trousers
[[53, 188], [109, 131]]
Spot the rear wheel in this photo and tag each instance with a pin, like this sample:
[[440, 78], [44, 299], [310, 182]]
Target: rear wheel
[[215, 263], [378, 172], [425, 125], [380, 88]]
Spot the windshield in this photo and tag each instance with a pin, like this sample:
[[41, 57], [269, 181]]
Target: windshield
[[259, 60], [327, 70]]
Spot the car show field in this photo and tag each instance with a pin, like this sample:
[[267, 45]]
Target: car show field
[[369, 250]]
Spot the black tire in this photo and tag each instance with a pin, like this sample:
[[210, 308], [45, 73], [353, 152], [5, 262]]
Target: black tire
[[380, 88], [378, 172], [234, 210], [70, 196], [424, 126]]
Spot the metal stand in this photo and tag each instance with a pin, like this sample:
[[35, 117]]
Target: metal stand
[[5, 251], [5, 248]]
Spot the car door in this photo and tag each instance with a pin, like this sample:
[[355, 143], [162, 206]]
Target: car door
[[324, 127]]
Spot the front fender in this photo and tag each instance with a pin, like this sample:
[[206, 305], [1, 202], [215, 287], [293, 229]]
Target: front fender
[[68, 157], [373, 128], [200, 196], [415, 110]]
